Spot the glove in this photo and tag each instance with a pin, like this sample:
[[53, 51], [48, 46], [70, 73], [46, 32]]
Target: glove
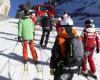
[[97, 50], [19, 39], [52, 71]]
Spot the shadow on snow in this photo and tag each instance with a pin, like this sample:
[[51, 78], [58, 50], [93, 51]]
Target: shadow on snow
[[16, 57]]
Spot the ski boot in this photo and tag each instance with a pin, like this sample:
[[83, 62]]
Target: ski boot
[[93, 75], [25, 65]]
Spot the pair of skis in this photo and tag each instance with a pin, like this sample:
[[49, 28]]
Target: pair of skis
[[37, 67], [36, 64], [26, 68], [89, 75]]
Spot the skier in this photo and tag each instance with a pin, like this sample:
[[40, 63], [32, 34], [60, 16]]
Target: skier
[[61, 51], [90, 40], [25, 31], [46, 28]]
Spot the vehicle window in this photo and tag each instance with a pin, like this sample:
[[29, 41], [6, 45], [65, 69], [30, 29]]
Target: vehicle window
[[43, 8]]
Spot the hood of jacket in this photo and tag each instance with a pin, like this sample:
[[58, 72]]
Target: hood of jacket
[[90, 29]]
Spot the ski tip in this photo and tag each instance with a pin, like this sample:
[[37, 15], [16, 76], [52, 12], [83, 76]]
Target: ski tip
[[91, 75]]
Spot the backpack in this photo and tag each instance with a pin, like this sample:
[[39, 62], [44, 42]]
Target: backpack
[[74, 51]]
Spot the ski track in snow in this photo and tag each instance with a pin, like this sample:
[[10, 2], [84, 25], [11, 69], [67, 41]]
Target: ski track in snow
[[11, 60]]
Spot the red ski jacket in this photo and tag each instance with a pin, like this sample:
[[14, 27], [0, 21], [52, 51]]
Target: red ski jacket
[[90, 39]]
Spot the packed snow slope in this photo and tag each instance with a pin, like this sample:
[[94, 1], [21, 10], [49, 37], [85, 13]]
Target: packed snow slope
[[11, 60]]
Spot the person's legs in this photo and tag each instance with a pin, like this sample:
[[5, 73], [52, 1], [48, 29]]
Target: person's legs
[[84, 65], [47, 37], [25, 53], [42, 37], [92, 65], [33, 51], [91, 62]]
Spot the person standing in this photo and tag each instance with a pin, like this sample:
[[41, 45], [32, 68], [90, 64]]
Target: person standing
[[90, 40], [61, 48], [46, 28], [62, 53], [25, 31]]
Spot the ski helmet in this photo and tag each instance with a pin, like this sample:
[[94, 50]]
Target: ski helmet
[[89, 22], [26, 12]]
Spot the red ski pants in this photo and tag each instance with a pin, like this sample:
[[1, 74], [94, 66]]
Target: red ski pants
[[91, 62], [32, 49]]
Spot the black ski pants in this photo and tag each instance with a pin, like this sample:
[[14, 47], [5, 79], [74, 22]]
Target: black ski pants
[[44, 33]]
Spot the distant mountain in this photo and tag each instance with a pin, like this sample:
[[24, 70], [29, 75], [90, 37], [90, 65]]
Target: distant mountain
[[81, 10]]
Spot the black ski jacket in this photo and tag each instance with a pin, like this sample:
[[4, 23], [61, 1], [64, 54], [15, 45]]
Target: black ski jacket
[[46, 22], [55, 57]]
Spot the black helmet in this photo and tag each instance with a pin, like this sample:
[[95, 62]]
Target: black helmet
[[89, 22], [26, 12]]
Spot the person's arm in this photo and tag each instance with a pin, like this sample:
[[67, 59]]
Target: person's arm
[[74, 31], [33, 25], [82, 36], [42, 22], [19, 30], [54, 57], [51, 24], [97, 43]]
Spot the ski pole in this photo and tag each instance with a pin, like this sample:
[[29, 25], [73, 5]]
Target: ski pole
[[47, 56], [41, 61], [9, 61], [15, 47]]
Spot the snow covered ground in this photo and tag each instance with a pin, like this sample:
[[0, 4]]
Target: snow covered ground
[[11, 61]]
